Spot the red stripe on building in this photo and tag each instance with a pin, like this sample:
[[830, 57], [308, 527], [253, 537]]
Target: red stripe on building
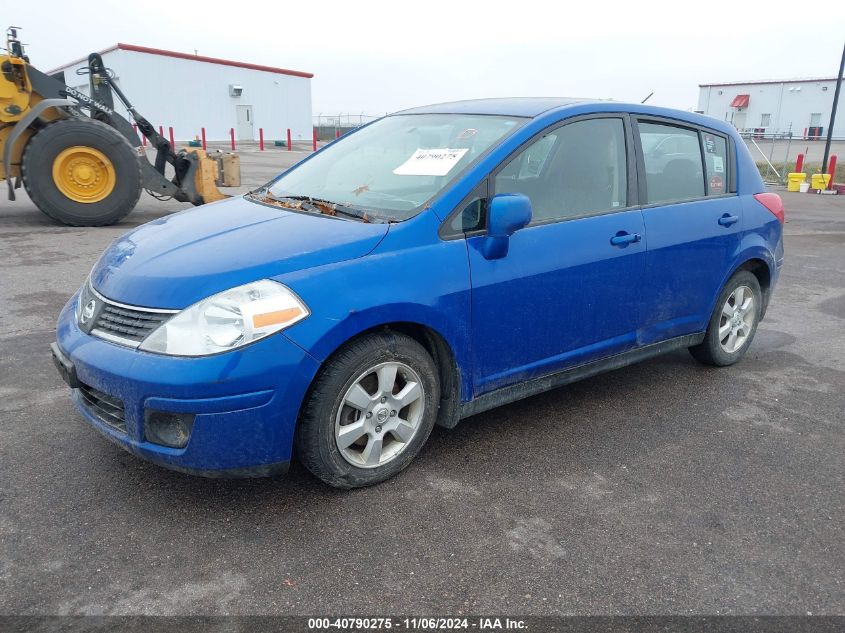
[[188, 56], [805, 80]]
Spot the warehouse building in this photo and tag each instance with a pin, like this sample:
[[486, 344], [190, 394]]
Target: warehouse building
[[797, 106], [191, 92]]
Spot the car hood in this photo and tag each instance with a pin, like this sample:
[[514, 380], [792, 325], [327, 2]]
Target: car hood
[[183, 258]]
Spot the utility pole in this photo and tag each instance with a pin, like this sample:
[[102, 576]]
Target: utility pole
[[833, 113]]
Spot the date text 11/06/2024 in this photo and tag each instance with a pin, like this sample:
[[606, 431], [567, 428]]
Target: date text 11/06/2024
[[416, 624]]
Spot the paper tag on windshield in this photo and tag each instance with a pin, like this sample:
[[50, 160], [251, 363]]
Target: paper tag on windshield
[[430, 162]]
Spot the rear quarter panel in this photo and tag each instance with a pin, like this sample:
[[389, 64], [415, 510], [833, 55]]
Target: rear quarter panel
[[762, 233]]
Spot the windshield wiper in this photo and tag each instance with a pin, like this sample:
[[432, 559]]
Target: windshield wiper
[[332, 208], [284, 201], [313, 205]]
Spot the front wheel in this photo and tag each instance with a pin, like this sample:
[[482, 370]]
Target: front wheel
[[733, 323], [370, 411]]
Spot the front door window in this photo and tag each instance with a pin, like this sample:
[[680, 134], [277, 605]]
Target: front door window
[[576, 170]]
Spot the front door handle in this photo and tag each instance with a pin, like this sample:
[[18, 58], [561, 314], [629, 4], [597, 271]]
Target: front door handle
[[728, 219], [622, 238]]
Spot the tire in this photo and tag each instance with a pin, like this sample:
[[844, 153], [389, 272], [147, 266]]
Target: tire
[[44, 151], [328, 413], [721, 350]]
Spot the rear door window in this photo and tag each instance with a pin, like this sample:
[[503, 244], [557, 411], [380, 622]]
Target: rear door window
[[715, 162], [672, 157]]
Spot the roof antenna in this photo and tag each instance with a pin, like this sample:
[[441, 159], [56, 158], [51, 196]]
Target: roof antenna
[[648, 97]]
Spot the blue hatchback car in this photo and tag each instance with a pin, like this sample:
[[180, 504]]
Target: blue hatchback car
[[434, 264]]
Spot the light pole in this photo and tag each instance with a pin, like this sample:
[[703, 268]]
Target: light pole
[[833, 114]]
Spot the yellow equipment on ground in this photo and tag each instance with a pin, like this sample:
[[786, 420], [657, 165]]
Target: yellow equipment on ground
[[819, 181], [81, 162], [794, 180]]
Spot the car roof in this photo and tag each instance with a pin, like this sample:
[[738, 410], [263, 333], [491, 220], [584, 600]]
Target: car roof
[[533, 107], [511, 106]]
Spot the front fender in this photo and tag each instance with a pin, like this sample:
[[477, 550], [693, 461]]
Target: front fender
[[425, 285], [325, 338]]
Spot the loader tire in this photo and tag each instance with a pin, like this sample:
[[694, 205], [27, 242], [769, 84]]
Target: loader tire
[[81, 172]]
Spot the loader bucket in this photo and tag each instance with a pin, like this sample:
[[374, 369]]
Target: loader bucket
[[206, 176]]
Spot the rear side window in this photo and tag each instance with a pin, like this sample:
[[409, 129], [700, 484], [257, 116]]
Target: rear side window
[[716, 163], [672, 157], [575, 170]]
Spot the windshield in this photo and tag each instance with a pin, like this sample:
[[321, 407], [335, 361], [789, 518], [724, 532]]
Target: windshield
[[393, 166]]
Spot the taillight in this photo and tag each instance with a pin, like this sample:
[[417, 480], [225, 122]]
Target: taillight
[[773, 203]]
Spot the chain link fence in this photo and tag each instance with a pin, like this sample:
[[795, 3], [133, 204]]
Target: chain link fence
[[329, 126]]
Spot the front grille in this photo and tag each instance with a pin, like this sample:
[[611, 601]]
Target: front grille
[[128, 323], [116, 322], [106, 408]]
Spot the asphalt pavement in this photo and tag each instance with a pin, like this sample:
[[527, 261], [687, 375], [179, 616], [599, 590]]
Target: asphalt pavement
[[662, 488]]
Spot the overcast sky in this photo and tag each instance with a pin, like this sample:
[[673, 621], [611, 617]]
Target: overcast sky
[[375, 57]]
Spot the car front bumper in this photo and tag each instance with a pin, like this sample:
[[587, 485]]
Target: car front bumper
[[245, 402]]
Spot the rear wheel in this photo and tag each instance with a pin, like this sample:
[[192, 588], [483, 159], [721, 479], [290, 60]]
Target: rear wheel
[[370, 411], [733, 322], [81, 172]]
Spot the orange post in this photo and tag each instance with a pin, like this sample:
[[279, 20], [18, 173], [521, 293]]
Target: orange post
[[831, 169], [203, 138], [232, 136], [161, 131], [290, 146], [261, 138], [314, 143], [172, 142]]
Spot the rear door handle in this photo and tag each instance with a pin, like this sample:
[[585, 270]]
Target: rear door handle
[[728, 219], [623, 238]]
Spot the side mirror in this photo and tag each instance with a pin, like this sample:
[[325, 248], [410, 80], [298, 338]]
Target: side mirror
[[508, 213]]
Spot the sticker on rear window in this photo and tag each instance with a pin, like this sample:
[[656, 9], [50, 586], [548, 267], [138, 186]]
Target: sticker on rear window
[[717, 185], [718, 164], [430, 162]]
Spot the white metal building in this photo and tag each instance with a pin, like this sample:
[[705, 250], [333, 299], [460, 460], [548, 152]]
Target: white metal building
[[800, 106], [189, 92]]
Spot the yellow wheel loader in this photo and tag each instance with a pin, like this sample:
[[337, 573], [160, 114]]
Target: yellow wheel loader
[[81, 162]]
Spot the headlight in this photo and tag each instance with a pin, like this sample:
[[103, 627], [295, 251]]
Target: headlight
[[77, 306], [228, 320]]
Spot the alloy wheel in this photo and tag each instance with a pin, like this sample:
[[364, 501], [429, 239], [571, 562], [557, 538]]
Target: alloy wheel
[[737, 319], [379, 415]]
